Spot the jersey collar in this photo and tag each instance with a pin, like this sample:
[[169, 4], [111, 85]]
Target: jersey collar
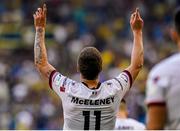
[[97, 87]]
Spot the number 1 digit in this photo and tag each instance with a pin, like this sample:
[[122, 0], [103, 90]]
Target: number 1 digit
[[86, 115], [98, 119]]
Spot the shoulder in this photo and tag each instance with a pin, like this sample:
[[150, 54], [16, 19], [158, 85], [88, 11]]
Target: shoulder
[[165, 66], [119, 84], [123, 78], [60, 83], [161, 74]]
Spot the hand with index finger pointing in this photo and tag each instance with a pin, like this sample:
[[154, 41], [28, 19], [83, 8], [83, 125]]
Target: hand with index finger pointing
[[40, 17], [44, 9], [136, 21]]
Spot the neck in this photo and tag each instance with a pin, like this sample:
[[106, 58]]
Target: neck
[[90, 83]]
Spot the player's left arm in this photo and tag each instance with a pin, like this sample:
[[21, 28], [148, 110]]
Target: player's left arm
[[137, 55], [156, 116], [40, 54], [156, 100]]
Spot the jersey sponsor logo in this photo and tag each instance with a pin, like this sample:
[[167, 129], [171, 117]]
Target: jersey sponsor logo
[[106, 101], [64, 82], [62, 88], [57, 79]]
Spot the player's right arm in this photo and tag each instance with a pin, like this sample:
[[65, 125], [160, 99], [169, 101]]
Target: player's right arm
[[125, 79], [137, 55], [40, 54]]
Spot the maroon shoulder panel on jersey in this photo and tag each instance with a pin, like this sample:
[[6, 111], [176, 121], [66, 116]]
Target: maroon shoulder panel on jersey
[[130, 77], [160, 103], [50, 78]]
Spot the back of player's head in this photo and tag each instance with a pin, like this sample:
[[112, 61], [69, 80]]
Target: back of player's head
[[177, 20], [90, 63]]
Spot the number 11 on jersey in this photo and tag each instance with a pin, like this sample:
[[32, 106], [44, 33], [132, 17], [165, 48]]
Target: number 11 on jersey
[[86, 115]]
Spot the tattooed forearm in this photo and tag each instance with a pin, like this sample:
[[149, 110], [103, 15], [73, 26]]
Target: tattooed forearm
[[48, 73], [40, 55], [39, 47]]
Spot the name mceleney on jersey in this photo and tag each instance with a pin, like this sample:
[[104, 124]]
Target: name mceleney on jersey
[[105, 101], [85, 108]]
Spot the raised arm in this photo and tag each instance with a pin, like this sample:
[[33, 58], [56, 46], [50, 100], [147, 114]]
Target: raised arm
[[137, 55], [40, 54]]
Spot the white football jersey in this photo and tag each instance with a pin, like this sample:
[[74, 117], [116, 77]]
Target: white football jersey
[[93, 109], [128, 124], [163, 87]]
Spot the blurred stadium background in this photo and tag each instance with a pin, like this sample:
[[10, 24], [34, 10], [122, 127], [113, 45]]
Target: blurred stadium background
[[26, 102]]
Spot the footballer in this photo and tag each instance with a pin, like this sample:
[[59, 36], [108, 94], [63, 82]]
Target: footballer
[[163, 88], [89, 104]]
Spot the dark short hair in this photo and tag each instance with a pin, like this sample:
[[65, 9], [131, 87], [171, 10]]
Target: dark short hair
[[90, 63], [177, 20]]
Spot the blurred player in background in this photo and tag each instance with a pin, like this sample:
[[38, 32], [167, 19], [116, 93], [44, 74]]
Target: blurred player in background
[[125, 123], [163, 88], [89, 104]]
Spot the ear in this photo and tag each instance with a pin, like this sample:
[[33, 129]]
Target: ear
[[174, 35]]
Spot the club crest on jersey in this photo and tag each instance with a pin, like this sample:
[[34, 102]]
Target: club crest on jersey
[[156, 79]]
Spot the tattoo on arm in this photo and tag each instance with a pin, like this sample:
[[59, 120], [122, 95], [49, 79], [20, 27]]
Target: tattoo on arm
[[48, 73], [39, 47], [40, 55]]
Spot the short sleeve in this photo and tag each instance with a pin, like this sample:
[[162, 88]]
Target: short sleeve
[[59, 83], [123, 81], [156, 87]]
